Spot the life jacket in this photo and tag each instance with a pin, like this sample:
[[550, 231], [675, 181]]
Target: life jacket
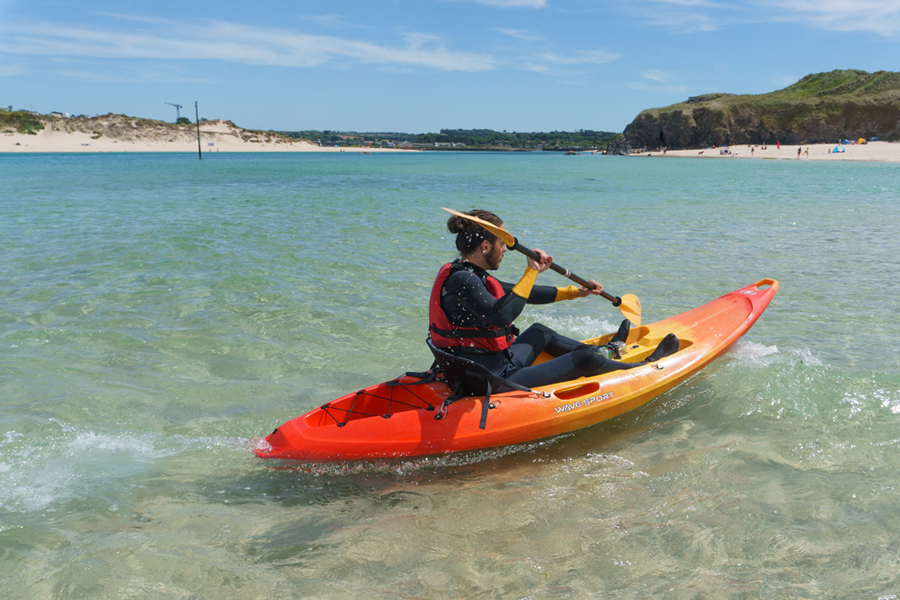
[[445, 334]]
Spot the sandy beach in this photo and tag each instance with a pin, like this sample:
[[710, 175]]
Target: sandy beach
[[117, 133], [872, 151]]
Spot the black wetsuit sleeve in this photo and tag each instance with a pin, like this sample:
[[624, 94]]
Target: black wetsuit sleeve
[[468, 303], [540, 294]]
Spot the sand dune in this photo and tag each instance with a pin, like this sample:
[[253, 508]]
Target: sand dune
[[118, 133]]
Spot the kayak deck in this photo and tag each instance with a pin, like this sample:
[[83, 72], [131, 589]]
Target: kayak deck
[[396, 419]]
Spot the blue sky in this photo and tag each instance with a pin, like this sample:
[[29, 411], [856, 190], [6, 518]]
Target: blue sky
[[423, 65]]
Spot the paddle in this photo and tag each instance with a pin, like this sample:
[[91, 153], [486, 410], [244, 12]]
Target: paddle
[[629, 304]]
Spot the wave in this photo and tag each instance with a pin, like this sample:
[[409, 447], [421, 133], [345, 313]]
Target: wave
[[58, 462]]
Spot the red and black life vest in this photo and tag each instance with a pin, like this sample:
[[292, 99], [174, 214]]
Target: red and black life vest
[[445, 334]]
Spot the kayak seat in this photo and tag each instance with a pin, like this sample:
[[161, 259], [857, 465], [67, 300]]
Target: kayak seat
[[468, 378]]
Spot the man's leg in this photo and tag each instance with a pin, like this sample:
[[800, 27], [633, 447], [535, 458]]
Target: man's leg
[[540, 338], [586, 361]]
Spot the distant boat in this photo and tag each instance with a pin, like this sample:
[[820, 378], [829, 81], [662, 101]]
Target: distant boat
[[571, 153]]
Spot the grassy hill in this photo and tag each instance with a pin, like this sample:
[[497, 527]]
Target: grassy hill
[[820, 108]]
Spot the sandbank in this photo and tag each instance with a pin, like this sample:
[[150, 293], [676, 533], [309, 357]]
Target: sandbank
[[115, 133], [872, 151]]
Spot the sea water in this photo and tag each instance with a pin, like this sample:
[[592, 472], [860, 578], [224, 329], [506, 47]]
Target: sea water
[[160, 314]]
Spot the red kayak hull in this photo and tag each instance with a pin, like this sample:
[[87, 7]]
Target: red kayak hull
[[395, 420]]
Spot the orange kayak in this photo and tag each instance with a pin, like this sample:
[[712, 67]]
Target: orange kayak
[[396, 419]]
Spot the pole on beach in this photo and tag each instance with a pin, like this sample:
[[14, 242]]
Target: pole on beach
[[197, 116]]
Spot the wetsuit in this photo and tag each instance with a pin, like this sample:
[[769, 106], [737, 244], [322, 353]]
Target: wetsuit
[[473, 302]]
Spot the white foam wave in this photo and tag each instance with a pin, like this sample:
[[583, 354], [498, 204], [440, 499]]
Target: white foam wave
[[753, 351], [90, 442], [37, 471], [9, 437], [806, 356]]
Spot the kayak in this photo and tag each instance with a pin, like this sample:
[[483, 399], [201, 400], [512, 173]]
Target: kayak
[[407, 417]]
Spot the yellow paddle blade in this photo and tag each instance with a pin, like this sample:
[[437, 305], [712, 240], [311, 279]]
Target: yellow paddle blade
[[501, 233], [631, 308]]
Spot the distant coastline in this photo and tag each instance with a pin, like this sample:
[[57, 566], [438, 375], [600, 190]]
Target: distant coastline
[[24, 131], [119, 133]]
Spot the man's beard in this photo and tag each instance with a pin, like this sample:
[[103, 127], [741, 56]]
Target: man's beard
[[494, 257]]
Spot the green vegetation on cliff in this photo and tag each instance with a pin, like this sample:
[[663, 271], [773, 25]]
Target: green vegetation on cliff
[[820, 108]]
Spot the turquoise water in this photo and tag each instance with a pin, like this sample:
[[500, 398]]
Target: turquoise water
[[159, 314]]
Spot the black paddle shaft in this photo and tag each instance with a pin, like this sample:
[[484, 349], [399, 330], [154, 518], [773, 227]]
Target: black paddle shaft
[[616, 300]]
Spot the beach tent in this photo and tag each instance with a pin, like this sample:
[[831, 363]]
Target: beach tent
[[837, 150], [861, 141], [845, 142]]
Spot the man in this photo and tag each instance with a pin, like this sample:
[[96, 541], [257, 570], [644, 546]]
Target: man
[[471, 314]]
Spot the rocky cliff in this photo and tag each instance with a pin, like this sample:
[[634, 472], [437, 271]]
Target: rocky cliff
[[820, 108]]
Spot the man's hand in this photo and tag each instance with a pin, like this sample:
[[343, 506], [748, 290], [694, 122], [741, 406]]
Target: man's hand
[[595, 290], [543, 264]]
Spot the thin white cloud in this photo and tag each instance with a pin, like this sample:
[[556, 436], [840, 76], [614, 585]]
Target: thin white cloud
[[230, 42], [544, 63], [704, 3], [530, 65], [690, 16], [657, 81], [160, 39], [12, 70], [682, 16], [656, 75], [597, 57], [521, 34], [418, 40], [329, 21], [514, 3], [684, 22], [646, 87], [130, 77], [874, 16]]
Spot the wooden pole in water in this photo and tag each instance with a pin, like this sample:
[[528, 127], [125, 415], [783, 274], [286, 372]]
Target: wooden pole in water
[[197, 116]]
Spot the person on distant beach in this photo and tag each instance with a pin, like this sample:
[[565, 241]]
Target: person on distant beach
[[798, 152], [471, 314]]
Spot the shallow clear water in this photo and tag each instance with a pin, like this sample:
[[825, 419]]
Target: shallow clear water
[[159, 314]]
